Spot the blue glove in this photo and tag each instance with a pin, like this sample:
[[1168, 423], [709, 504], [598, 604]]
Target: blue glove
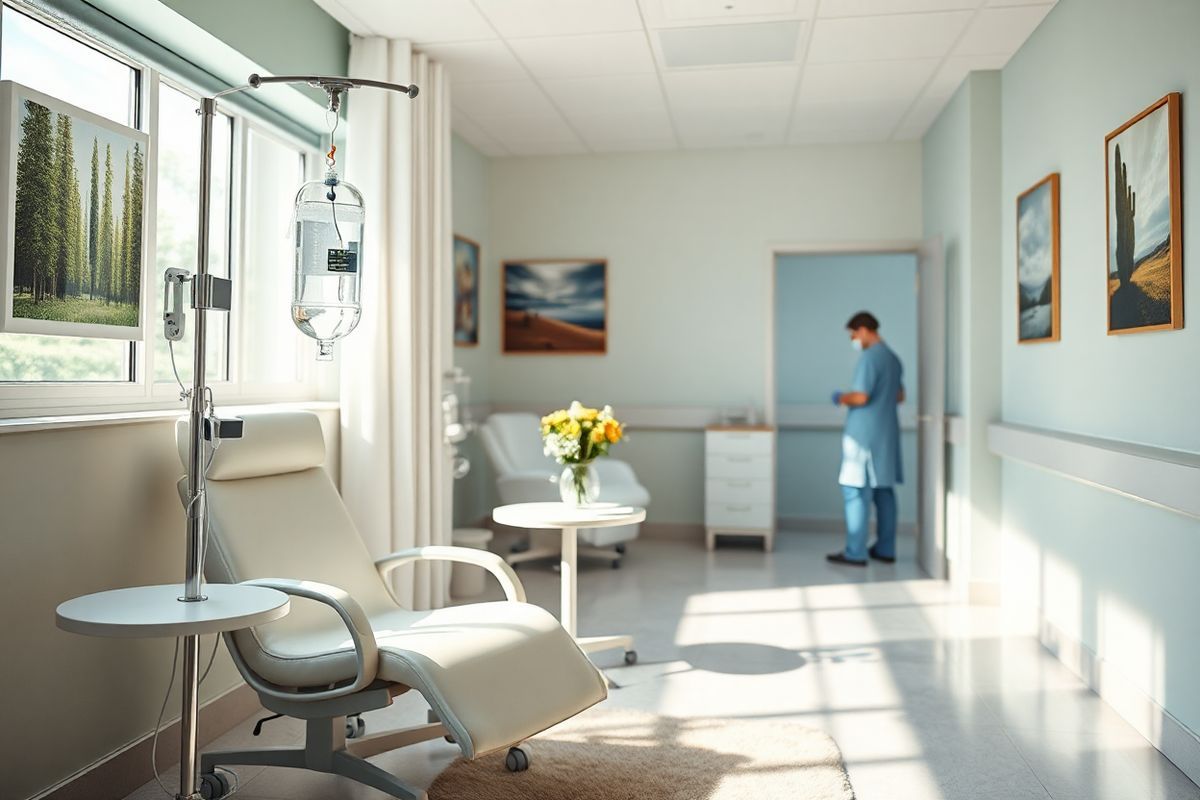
[[837, 398]]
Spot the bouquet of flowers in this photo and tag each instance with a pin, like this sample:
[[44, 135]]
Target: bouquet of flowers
[[575, 437]]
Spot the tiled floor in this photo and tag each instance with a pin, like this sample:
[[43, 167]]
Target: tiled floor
[[929, 699]]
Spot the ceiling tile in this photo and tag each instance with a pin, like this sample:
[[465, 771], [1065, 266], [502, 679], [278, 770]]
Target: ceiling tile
[[1020, 2], [1000, 30], [866, 81], [521, 130], [518, 18], [745, 87], [467, 128], [872, 8], [476, 61], [416, 20], [627, 125], [722, 126], [940, 89], [606, 95], [718, 45], [671, 13], [882, 38], [529, 148], [584, 56], [820, 118], [493, 99]]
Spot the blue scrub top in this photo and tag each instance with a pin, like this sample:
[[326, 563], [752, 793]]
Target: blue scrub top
[[871, 440]]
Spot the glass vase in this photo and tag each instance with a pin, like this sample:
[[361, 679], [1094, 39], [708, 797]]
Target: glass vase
[[579, 486]]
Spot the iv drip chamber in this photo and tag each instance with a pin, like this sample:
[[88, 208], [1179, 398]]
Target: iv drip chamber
[[327, 286]]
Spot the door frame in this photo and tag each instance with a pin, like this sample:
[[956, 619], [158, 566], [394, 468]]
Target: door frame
[[914, 247]]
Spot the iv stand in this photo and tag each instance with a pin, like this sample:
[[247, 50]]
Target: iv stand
[[209, 294]]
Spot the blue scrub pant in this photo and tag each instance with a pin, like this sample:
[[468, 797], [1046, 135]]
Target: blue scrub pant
[[858, 514]]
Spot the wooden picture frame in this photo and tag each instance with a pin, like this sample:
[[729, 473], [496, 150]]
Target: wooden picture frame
[[544, 312], [1153, 301], [465, 267], [54, 280], [1039, 293]]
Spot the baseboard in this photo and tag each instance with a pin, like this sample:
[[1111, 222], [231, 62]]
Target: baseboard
[[1175, 740], [123, 771], [831, 525]]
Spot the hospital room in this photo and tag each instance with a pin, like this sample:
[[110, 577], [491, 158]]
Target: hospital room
[[599, 400]]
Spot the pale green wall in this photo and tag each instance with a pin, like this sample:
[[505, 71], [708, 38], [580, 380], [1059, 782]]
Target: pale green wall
[[961, 168], [1118, 574], [687, 240]]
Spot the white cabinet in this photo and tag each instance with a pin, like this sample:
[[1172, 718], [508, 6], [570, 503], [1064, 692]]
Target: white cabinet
[[739, 483]]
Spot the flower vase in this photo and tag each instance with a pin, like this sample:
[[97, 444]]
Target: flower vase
[[579, 486]]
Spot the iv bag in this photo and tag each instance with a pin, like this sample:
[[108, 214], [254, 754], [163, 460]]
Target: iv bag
[[326, 290]]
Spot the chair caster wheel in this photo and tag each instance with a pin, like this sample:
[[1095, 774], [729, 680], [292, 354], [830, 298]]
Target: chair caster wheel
[[432, 717], [355, 727], [214, 785], [621, 549], [630, 657], [517, 759], [616, 563]]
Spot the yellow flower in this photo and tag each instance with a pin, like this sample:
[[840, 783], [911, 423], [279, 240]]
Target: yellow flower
[[573, 429], [597, 435], [612, 431]]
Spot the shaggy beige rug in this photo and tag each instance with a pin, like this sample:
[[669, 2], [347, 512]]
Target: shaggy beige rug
[[620, 755]]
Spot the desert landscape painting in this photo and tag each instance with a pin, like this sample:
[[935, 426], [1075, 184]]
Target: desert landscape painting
[[79, 201], [555, 306], [1145, 255], [1037, 262]]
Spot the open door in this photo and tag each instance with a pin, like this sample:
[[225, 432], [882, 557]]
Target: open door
[[931, 406]]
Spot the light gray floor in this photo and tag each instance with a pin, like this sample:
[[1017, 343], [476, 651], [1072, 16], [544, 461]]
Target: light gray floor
[[929, 699]]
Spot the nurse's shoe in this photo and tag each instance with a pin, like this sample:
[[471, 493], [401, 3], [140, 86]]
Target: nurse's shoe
[[884, 559], [840, 558]]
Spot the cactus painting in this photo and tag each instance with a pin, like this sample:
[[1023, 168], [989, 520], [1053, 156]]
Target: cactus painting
[[1145, 250], [1037, 262]]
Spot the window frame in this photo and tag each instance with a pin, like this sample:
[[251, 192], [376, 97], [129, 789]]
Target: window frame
[[140, 391]]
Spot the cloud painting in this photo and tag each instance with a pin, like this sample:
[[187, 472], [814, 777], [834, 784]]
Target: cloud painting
[[1037, 262], [555, 306]]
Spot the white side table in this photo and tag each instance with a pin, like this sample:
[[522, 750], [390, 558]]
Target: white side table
[[153, 611], [568, 519]]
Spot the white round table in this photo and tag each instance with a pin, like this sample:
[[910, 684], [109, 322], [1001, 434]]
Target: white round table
[[153, 611], [569, 519]]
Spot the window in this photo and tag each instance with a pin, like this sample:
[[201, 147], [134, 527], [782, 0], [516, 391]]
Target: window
[[42, 58], [254, 353]]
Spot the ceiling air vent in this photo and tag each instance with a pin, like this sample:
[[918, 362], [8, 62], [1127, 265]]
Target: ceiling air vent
[[722, 45]]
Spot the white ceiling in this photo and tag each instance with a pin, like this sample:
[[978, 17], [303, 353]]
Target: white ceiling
[[536, 77]]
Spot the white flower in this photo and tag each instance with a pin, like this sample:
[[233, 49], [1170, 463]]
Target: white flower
[[576, 410], [606, 412]]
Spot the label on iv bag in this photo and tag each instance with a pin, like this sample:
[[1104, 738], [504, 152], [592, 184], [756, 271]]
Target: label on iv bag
[[342, 260]]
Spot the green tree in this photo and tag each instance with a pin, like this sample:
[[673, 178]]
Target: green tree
[[136, 201], [104, 266], [93, 251], [64, 216], [122, 292], [35, 202]]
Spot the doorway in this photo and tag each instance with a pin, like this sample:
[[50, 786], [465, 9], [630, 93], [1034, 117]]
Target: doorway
[[814, 291]]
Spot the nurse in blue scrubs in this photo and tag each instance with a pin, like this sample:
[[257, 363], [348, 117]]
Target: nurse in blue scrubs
[[870, 445]]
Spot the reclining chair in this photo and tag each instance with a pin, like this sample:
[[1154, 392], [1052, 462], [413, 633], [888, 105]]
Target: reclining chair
[[493, 673], [524, 474]]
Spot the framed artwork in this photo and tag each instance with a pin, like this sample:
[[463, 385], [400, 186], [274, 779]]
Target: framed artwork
[[466, 292], [556, 306], [1037, 263], [1145, 235], [72, 232]]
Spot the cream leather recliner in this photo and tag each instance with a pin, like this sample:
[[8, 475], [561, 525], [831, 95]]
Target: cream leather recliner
[[493, 673]]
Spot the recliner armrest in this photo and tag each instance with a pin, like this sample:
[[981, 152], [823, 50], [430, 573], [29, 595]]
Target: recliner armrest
[[366, 652], [509, 582]]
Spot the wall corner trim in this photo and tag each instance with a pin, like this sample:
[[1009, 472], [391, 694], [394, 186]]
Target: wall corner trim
[[1156, 475]]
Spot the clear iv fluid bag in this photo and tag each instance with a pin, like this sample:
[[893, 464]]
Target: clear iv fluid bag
[[327, 286]]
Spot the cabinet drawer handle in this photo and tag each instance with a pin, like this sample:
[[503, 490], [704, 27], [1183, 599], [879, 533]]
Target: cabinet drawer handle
[[737, 508]]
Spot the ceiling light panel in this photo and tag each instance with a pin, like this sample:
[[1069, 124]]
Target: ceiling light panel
[[585, 56], [515, 19], [883, 38], [720, 45]]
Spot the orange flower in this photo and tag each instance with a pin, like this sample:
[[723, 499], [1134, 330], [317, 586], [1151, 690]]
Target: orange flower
[[612, 431]]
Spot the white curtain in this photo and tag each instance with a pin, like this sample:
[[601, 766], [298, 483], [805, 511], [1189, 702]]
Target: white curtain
[[395, 475]]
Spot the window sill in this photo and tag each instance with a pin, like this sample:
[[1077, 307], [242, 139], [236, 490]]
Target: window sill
[[98, 420]]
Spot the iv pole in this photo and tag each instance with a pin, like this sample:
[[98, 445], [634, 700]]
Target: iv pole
[[210, 293]]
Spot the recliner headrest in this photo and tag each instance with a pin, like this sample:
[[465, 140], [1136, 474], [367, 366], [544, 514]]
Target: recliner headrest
[[272, 443]]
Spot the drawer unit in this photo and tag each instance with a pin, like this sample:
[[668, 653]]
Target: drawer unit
[[739, 486]]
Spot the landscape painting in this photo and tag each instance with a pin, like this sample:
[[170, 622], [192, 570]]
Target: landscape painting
[[72, 238], [1145, 246], [466, 292], [1037, 262], [555, 306]]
